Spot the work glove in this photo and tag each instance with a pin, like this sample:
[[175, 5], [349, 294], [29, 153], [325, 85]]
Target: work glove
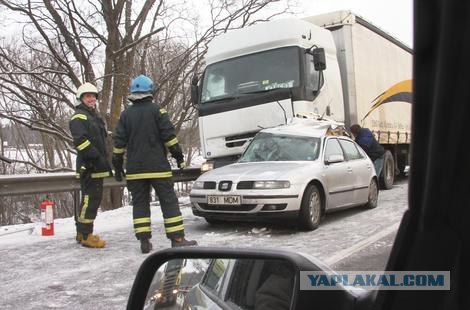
[[117, 161], [181, 164], [177, 154]]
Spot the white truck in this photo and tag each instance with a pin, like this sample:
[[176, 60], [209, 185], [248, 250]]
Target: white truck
[[335, 65]]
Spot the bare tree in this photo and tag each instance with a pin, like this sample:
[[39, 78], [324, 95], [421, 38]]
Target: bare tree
[[64, 43], [172, 60]]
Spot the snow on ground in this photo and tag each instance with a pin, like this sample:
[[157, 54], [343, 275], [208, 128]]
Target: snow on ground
[[54, 272]]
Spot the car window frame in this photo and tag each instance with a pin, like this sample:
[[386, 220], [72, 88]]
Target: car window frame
[[358, 149], [327, 139], [219, 292]]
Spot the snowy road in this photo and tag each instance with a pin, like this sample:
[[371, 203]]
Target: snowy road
[[56, 273]]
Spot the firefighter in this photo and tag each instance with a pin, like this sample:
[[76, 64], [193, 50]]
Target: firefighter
[[89, 139], [146, 133]]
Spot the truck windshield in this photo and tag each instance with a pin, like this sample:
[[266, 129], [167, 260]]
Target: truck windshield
[[254, 73], [269, 147]]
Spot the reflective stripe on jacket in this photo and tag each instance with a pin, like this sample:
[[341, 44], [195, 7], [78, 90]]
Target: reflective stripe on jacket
[[89, 139], [144, 132]]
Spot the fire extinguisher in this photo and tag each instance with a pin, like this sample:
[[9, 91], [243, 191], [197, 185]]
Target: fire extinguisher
[[47, 217]]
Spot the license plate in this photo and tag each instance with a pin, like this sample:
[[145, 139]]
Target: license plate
[[224, 200]]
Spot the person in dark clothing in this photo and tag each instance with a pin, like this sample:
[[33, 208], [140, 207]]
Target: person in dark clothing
[[276, 292], [145, 133], [365, 138], [89, 139]]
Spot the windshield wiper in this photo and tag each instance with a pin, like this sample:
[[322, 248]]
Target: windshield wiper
[[228, 98], [263, 90], [220, 99]]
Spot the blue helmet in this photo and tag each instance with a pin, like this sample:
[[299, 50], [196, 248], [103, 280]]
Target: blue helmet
[[142, 84]]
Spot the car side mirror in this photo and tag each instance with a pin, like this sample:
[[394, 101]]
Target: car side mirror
[[190, 277], [194, 91], [335, 158], [319, 60]]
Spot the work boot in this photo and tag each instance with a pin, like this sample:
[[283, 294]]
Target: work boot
[[92, 241], [181, 241], [145, 246], [79, 237]]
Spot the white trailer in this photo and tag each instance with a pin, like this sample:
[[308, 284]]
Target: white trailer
[[336, 65]]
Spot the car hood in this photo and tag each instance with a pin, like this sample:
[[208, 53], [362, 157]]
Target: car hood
[[256, 171]]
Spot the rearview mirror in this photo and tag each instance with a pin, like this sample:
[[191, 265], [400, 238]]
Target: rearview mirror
[[203, 278], [336, 158], [248, 283], [194, 90], [319, 60]]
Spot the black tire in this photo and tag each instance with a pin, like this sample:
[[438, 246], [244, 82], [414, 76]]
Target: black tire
[[373, 195], [213, 221], [310, 208], [387, 176]]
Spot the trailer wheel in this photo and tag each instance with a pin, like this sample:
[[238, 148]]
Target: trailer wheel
[[310, 209], [387, 176]]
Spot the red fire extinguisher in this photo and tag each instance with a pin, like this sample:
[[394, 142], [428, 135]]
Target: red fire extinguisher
[[47, 217]]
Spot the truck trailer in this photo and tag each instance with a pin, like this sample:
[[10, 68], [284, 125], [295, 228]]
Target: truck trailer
[[333, 66]]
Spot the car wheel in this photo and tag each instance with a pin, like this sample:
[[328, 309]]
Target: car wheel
[[388, 172], [212, 221], [310, 209], [373, 195]]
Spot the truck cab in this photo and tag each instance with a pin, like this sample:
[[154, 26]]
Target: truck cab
[[258, 77]]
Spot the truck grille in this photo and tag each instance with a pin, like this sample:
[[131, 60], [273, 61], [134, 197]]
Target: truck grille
[[239, 140]]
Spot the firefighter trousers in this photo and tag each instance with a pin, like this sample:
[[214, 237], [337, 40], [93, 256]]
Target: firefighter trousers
[[92, 192], [172, 219]]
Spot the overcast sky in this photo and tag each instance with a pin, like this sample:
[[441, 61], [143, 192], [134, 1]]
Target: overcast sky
[[394, 17]]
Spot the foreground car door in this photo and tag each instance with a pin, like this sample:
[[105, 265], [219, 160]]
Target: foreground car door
[[361, 170], [338, 175]]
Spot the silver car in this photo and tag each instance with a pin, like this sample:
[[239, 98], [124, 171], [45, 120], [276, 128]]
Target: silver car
[[297, 171]]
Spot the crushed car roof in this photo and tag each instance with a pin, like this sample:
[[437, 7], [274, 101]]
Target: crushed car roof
[[308, 127]]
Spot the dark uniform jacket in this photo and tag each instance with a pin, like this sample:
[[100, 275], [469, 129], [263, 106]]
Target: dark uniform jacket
[[369, 144], [145, 130], [89, 139]]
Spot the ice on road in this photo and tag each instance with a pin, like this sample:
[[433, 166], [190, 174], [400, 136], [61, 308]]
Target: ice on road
[[39, 272]]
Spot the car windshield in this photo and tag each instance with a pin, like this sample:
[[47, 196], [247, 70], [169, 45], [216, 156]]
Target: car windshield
[[255, 73], [269, 147]]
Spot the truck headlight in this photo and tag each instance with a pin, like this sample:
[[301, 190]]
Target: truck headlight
[[271, 184], [207, 167], [198, 185]]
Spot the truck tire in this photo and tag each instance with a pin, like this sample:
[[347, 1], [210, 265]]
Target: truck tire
[[387, 177], [310, 208]]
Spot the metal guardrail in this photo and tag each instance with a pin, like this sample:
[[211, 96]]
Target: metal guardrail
[[24, 184]]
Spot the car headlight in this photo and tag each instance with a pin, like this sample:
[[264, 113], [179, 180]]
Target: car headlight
[[271, 184], [207, 167], [158, 296], [175, 291], [198, 185]]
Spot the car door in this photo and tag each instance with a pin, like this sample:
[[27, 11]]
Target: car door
[[338, 176], [209, 294], [361, 170]]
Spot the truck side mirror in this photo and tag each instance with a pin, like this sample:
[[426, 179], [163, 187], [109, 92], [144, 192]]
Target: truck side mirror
[[319, 60], [194, 90]]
